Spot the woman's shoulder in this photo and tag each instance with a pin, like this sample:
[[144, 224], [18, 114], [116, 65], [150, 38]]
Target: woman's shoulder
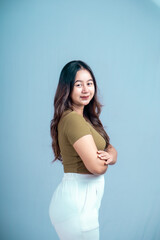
[[70, 117], [73, 126], [69, 114]]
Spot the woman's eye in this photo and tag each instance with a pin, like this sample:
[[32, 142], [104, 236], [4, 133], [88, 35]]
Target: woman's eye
[[90, 83], [78, 85]]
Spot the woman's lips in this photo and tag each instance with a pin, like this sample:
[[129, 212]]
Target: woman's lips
[[84, 97]]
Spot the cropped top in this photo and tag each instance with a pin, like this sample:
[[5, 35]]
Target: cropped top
[[71, 127]]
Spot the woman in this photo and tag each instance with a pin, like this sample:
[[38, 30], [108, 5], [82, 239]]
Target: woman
[[81, 143]]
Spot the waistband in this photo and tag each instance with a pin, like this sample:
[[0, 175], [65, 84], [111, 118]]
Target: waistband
[[80, 176]]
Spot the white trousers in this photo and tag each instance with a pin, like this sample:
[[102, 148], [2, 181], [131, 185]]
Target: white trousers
[[75, 205]]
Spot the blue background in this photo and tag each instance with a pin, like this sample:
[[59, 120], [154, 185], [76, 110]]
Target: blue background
[[120, 40]]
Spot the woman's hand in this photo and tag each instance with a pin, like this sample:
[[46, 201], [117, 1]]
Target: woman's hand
[[103, 155], [109, 156]]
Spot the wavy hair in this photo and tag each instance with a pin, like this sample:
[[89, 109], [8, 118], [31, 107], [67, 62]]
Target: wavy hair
[[63, 102]]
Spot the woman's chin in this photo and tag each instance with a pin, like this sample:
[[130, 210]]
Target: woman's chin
[[86, 103]]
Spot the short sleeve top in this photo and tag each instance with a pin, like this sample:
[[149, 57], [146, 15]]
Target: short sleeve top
[[71, 127]]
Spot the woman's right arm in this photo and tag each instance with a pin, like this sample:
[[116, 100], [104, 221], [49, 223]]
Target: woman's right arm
[[87, 150]]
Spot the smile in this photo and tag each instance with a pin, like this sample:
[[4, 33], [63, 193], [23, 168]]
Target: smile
[[85, 97]]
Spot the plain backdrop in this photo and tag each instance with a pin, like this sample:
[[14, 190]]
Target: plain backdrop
[[120, 41]]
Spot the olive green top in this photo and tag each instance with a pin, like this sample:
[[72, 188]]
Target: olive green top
[[71, 127]]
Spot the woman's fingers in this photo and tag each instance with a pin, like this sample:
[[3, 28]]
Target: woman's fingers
[[106, 157], [103, 155], [101, 151]]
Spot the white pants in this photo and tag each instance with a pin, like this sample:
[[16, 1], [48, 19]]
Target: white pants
[[75, 205]]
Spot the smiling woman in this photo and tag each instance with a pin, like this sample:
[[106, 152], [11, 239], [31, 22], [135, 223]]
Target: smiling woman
[[81, 143], [83, 90]]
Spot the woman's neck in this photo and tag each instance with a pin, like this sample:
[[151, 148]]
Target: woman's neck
[[79, 110]]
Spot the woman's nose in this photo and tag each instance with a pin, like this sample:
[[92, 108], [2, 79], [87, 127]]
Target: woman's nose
[[85, 88]]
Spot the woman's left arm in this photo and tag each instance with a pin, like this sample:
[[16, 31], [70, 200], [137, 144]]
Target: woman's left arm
[[109, 155]]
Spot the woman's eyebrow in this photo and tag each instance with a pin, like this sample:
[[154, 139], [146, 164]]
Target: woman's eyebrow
[[82, 80]]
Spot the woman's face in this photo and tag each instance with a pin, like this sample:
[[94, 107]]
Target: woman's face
[[83, 90]]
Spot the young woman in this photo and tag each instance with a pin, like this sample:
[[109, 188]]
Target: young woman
[[81, 143]]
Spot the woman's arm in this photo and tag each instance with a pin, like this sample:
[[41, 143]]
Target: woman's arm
[[87, 150], [109, 155]]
